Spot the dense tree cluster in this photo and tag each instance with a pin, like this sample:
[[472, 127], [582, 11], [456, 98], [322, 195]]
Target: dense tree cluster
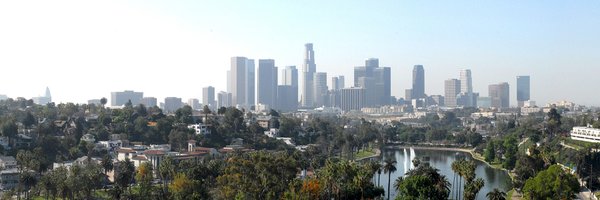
[[527, 146]]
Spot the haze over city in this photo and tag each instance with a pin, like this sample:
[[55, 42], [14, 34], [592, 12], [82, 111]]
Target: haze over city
[[85, 50]]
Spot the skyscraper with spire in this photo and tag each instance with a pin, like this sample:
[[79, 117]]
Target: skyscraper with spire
[[43, 100], [308, 72], [47, 95]]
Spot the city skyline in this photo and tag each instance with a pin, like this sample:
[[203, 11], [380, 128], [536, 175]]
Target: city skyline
[[182, 48]]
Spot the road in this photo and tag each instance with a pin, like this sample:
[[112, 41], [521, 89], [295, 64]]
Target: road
[[586, 195]]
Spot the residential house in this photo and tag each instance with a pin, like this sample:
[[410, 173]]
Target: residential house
[[9, 176], [200, 128]]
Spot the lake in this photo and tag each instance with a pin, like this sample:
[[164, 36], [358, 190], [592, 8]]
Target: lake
[[442, 160]]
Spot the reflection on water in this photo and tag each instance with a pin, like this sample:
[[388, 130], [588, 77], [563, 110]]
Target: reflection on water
[[442, 160]]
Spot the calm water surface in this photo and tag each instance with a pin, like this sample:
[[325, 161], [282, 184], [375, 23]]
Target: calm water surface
[[442, 160]]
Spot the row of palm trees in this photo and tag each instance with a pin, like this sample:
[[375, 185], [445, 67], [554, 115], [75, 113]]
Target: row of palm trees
[[464, 180]]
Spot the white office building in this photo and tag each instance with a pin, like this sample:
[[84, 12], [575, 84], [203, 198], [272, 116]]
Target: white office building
[[587, 134]]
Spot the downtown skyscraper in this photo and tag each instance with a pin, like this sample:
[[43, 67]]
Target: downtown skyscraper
[[523, 90], [375, 80], [499, 95], [418, 83], [337, 83], [267, 83], [466, 88], [320, 89], [121, 98], [241, 82], [451, 90], [287, 90], [208, 97], [308, 72], [289, 76]]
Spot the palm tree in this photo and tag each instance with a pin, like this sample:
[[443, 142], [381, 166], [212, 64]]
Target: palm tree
[[10, 130], [376, 168], [103, 101], [496, 195], [457, 168], [166, 170], [473, 188], [398, 182], [107, 164], [28, 179], [466, 170], [361, 180], [389, 166]]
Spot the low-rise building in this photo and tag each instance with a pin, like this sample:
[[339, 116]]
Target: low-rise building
[[9, 176], [9, 179], [111, 145], [200, 128], [125, 153], [7, 162], [264, 121], [587, 134], [530, 110], [273, 132]]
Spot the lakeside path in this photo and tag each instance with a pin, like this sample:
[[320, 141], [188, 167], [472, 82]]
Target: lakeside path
[[377, 154]]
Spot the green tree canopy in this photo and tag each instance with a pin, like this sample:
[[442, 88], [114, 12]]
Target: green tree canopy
[[553, 183]]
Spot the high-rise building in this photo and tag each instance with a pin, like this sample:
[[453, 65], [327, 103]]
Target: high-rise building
[[499, 95], [466, 81], [250, 83], [172, 104], [266, 90], [287, 98], [96, 102], [408, 95], [121, 98], [438, 100], [376, 80], [418, 84], [484, 102], [149, 101], [337, 82], [289, 76], [383, 76], [308, 72], [194, 103], [451, 91], [371, 92], [466, 88], [320, 90], [287, 92], [47, 95], [352, 98], [229, 80], [242, 81], [208, 97], [523, 90], [224, 99], [334, 98], [43, 100]]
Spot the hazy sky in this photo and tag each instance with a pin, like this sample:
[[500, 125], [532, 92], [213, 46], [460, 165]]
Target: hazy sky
[[86, 49]]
